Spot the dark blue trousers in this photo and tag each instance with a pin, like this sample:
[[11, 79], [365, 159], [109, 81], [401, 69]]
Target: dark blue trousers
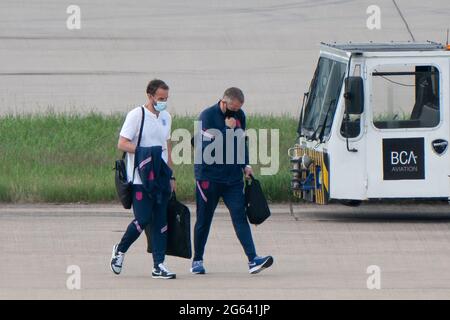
[[147, 211], [207, 197]]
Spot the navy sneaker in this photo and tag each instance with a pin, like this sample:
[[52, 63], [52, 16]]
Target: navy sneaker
[[259, 264], [197, 267], [116, 260], [161, 272]]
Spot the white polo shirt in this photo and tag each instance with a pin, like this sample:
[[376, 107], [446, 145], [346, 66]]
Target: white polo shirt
[[156, 132]]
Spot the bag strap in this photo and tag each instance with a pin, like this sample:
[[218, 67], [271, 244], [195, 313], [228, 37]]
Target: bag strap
[[139, 141]]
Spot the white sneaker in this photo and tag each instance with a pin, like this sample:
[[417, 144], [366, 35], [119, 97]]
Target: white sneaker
[[116, 260], [162, 273]]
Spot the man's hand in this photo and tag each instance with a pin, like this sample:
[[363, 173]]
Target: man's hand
[[230, 123], [173, 185], [248, 172]]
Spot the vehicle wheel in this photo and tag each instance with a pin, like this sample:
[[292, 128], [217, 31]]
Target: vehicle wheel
[[351, 203]]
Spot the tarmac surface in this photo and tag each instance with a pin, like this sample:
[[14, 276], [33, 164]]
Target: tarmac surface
[[320, 253], [269, 48]]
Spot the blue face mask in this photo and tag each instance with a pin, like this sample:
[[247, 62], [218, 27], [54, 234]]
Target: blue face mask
[[161, 106]]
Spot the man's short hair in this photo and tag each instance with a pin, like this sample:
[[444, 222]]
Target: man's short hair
[[156, 84], [234, 94]]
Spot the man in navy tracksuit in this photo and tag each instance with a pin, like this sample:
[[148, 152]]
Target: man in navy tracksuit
[[220, 174]]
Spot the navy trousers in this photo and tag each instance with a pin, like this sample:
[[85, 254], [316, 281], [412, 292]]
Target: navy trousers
[[207, 196], [147, 211]]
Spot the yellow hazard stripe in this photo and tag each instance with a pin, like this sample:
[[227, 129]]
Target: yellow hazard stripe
[[325, 176]]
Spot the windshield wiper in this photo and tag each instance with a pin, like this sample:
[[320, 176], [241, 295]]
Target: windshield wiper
[[321, 128], [300, 123], [324, 124]]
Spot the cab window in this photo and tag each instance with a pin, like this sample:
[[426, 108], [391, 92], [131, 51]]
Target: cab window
[[405, 97]]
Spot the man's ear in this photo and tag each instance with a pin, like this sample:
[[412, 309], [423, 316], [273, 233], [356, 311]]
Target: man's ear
[[150, 98]]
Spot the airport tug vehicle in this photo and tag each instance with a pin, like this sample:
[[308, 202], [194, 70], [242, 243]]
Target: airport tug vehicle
[[375, 124]]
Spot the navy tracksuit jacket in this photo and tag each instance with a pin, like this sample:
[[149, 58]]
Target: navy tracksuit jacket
[[155, 174], [217, 180], [150, 202]]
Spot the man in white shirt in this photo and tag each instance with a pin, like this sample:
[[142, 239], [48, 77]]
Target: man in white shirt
[[156, 132]]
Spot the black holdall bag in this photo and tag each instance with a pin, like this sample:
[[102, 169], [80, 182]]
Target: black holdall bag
[[123, 187], [256, 205], [178, 230]]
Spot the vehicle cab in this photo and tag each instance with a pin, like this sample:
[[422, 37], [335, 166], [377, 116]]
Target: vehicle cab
[[375, 124]]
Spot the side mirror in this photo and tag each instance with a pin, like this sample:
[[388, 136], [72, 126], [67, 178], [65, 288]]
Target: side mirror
[[354, 95]]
